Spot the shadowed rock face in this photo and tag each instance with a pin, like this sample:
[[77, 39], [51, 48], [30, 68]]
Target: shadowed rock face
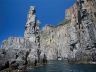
[[14, 58], [74, 39]]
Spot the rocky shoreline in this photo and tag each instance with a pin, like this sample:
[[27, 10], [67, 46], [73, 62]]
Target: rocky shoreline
[[20, 70], [16, 59], [74, 40]]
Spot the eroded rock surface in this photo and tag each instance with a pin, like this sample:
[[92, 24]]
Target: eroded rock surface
[[73, 39]]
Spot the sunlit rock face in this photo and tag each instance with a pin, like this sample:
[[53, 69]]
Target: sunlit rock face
[[56, 41], [17, 42], [74, 38], [31, 20], [48, 42], [61, 41]]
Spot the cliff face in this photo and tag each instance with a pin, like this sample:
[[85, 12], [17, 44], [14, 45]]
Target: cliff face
[[54, 41], [74, 39]]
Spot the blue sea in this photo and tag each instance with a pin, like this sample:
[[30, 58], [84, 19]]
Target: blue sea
[[60, 66]]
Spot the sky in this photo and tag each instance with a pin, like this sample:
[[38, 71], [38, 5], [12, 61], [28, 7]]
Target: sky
[[13, 14]]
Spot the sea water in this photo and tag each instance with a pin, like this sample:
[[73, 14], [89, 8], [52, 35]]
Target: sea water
[[60, 66]]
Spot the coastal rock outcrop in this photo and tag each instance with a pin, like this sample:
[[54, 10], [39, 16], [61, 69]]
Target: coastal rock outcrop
[[73, 39], [13, 58]]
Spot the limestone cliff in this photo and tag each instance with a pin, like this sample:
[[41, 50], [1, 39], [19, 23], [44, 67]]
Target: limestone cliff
[[73, 39]]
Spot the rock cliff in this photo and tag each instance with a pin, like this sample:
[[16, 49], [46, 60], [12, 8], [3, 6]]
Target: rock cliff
[[73, 39]]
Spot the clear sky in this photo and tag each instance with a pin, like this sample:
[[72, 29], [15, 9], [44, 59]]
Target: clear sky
[[13, 14]]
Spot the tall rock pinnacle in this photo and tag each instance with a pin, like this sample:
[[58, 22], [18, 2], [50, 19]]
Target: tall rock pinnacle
[[32, 30], [73, 39], [32, 25]]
